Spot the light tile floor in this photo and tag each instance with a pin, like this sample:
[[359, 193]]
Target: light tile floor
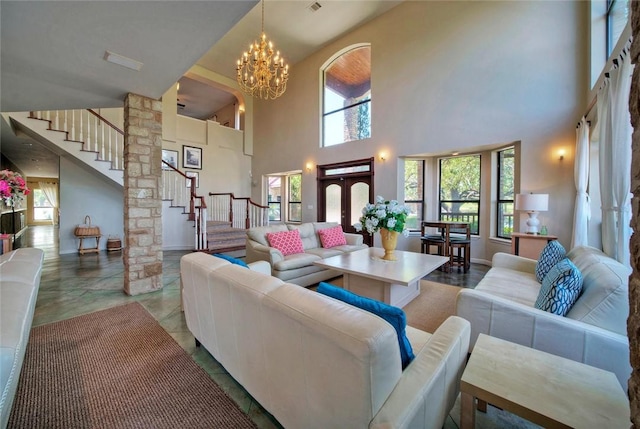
[[74, 284]]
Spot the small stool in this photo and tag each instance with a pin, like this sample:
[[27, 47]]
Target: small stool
[[439, 242], [456, 256]]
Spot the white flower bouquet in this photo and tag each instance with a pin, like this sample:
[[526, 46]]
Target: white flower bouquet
[[383, 214]]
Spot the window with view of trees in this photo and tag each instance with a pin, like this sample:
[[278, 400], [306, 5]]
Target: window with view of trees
[[42, 209], [617, 17], [346, 114], [274, 198], [505, 165], [413, 192], [294, 198], [459, 190]]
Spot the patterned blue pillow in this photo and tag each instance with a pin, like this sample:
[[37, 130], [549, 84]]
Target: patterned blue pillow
[[394, 315], [560, 289], [552, 253]]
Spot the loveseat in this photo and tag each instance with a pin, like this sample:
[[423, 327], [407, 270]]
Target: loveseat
[[19, 282], [315, 362], [594, 331], [298, 268]]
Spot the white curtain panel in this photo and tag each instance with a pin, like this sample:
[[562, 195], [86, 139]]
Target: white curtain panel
[[582, 213], [615, 160], [50, 190], [606, 168], [621, 131]]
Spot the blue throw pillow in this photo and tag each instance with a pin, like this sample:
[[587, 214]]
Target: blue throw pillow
[[560, 289], [552, 253], [394, 315], [231, 259]]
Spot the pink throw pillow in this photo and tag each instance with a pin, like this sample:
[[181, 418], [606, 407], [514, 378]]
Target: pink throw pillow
[[287, 242], [332, 237]]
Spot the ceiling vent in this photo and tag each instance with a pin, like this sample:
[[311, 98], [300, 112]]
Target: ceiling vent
[[313, 7]]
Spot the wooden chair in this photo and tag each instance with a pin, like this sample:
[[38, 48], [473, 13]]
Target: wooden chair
[[460, 250], [433, 240]]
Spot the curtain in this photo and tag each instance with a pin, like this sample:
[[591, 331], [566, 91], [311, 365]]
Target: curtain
[[615, 159], [50, 190], [582, 212]]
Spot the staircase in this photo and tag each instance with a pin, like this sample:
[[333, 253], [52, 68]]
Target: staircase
[[222, 237], [90, 140]]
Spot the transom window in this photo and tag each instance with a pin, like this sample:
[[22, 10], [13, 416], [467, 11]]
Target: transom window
[[459, 190], [617, 17], [346, 113]]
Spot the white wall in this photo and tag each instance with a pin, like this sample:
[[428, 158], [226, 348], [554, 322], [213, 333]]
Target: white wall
[[84, 193], [449, 76]]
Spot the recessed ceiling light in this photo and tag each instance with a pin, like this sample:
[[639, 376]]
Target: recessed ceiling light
[[313, 7], [122, 61]]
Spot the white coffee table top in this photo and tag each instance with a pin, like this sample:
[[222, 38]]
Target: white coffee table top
[[548, 390], [409, 267]]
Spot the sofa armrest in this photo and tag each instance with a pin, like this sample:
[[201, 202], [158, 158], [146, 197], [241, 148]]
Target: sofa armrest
[[260, 252], [353, 239], [514, 262], [528, 326], [429, 386], [260, 267]]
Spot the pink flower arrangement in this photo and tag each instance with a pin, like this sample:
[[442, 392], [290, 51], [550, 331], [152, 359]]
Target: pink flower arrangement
[[13, 188]]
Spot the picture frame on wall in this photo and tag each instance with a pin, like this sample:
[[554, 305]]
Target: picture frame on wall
[[191, 157], [193, 174], [170, 156]]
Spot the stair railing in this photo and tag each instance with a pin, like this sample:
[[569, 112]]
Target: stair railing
[[242, 212], [86, 126], [180, 189]]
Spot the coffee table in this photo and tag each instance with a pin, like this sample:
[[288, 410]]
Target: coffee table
[[548, 390], [393, 282]]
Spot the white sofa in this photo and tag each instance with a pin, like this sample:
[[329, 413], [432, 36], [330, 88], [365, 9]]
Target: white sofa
[[298, 268], [316, 362], [19, 282], [593, 332]]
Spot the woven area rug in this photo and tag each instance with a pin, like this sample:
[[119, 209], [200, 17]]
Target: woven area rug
[[427, 311], [116, 368]]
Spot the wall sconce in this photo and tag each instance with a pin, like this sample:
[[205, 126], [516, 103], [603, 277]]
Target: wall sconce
[[309, 166], [561, 153], [383, 156], [241, 108]]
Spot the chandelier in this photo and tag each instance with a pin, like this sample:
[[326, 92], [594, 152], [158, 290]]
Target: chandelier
[[259, 72]]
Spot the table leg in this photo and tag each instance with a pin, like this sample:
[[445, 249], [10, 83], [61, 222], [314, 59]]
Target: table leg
[[467, 411]]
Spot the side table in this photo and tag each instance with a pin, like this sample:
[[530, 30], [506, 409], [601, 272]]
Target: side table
[[82, 250], [548, 390]]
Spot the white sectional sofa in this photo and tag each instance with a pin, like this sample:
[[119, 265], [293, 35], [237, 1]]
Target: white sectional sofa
[[594, 331], [19, 282], [298, 268], [316, 362]]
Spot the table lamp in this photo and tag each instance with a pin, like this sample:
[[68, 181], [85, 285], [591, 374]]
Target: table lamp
[[532, 204]]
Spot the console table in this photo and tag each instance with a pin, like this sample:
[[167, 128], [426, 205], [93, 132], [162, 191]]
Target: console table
[[529, 245]]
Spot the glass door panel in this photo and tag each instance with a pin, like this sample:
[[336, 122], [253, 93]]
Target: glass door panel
[[359, 198], [333, 200]]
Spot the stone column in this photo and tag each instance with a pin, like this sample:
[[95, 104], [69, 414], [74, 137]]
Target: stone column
[[633, 323], [142, 196]]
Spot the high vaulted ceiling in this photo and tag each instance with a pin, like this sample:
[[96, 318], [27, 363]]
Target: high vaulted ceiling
[[52, 51]]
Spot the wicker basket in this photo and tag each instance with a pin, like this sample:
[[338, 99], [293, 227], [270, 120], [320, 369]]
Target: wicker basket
[[114, 243], [87, 230]]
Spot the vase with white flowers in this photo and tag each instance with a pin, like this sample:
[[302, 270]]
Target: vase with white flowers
[[387, 216]]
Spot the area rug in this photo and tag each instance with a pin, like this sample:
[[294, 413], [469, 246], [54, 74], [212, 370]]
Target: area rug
[[116, 368], [427, 311]]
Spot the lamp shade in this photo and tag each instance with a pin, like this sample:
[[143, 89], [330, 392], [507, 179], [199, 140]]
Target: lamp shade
[[532, 202]]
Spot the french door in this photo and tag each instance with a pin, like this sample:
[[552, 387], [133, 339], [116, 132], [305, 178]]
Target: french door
[[343, 190]]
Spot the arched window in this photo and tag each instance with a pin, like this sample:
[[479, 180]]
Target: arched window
[[346, 98]]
